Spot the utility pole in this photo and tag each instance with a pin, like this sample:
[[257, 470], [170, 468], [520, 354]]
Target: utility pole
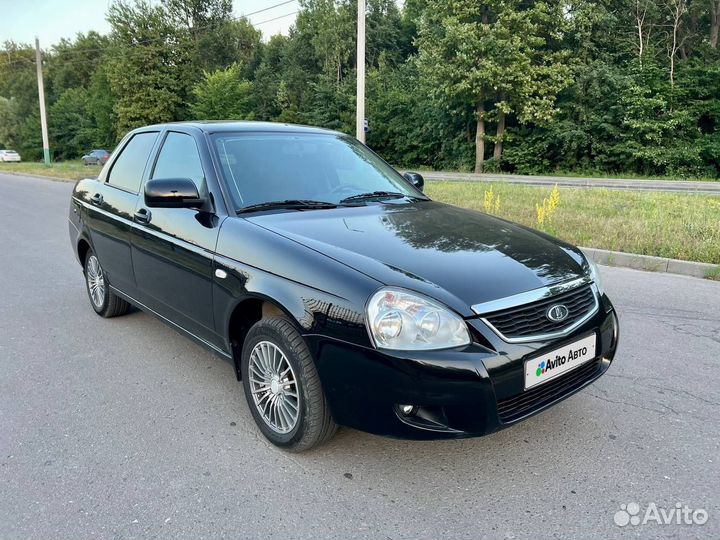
[[41, 97], [360, 105]]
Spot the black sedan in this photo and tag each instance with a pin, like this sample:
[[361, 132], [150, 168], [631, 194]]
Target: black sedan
[[340, 293]]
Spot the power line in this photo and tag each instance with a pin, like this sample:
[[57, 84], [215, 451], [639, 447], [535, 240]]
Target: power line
[[268, 8], [276, 18], [152, 40]]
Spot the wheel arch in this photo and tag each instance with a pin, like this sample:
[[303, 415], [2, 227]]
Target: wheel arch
[[245, 313], [83, 246]]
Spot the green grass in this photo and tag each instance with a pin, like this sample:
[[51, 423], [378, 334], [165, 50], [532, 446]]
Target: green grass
[[62, 170], [671, 225], [713, 274]]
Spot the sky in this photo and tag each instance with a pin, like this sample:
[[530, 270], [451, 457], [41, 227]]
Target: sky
[[52, 20]]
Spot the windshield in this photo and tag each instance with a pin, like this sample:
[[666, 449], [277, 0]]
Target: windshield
[[266, 167]]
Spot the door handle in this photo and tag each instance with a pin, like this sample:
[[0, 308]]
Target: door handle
[[97, 199], [143, 216]]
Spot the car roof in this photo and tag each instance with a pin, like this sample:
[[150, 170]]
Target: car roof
[[220, 126]]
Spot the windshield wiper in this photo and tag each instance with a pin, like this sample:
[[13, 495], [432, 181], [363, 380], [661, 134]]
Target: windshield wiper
[[288, 203], [376, 195]]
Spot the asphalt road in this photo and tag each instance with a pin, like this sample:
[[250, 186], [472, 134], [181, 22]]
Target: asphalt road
[[123, 428], [625, 184]]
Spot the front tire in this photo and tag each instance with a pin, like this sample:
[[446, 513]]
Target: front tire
[[105, 303], [282, 387]]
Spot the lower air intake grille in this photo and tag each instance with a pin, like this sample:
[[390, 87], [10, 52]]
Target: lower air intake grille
[[520, 405]]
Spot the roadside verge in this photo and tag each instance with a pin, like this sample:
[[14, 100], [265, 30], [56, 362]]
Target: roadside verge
[[653, 264]]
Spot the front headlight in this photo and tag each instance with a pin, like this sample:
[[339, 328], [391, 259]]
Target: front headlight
[[405, 321], [595, 274]]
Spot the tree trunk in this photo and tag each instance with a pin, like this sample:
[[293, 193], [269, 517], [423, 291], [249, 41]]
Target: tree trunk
[[714, 23], [640, 13], [480, 137], [499, 136], [679, 7]]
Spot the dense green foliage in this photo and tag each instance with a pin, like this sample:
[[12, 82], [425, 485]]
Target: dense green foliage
[[616, 86]]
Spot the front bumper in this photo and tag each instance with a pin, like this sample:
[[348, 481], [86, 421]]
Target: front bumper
[[457, 393]]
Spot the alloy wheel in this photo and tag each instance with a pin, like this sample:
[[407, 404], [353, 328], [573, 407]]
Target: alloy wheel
[[95, 281], [274, 387]]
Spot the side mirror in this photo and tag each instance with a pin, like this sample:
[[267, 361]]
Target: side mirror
[[415, 179], [172, 193]]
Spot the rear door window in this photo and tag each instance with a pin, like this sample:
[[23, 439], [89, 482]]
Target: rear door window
[[127, 171]]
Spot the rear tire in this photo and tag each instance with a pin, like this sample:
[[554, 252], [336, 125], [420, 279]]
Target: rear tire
[[282, 387], [105, 302]]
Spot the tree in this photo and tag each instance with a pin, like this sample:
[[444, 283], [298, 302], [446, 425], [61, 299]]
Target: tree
[[330, 29], [215, 39], [677, 9], [17, 76], [223, 95], [496, 57], [70, 126], [146, 65], [384, 33], [645, 21], [18, 84], [400, 122], [72, 63], [9, 123], [101, 107], [271, 94]]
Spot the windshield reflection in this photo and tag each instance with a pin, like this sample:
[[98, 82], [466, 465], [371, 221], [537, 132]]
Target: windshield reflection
[[266, 167]]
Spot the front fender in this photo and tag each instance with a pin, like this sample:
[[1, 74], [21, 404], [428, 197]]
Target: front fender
[[320, 294]]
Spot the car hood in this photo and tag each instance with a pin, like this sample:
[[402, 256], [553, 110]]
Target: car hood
[[458, 256]]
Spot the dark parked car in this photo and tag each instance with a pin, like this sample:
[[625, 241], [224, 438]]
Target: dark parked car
[[338, 291], [96, 157]]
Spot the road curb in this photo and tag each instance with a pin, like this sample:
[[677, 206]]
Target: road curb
[[653, 264]]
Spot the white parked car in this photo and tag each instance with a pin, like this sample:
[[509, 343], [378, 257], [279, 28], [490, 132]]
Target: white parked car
[[9, 156]]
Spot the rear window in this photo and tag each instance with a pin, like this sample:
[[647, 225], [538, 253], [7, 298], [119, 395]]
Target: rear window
[[127, 171]]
